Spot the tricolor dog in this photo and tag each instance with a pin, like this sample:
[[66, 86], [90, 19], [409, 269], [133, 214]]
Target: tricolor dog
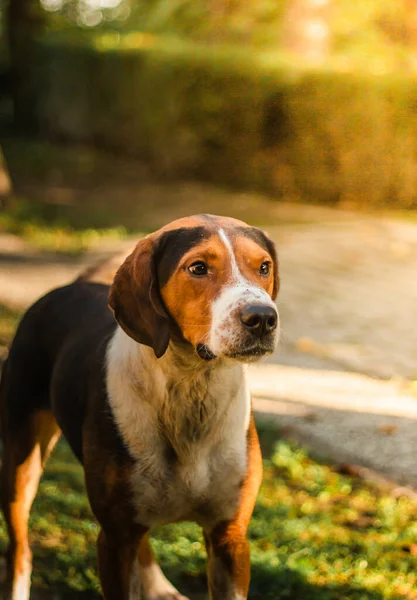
[[152, 398]]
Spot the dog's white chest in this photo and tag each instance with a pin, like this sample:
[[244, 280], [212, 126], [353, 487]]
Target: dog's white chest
[[193, 470], [204, 488], [187, 436]]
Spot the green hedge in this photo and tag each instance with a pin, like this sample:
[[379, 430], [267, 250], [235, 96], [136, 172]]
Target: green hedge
[[235, 117]]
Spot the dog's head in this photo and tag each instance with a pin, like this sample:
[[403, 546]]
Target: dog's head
[[210, 281]]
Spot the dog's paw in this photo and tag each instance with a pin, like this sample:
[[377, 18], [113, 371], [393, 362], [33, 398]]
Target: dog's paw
[[176, 596], [159, 588], [169, 595], [156, 586]]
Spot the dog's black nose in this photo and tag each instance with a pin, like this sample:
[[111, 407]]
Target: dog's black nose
[[259, 319]]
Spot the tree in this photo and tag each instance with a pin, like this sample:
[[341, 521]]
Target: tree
[[25, 20], [5, 183]]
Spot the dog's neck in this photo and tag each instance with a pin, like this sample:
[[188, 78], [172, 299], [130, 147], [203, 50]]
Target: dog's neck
[[186, 395], [178, 365]]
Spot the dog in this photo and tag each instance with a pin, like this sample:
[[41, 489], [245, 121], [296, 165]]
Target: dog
[[152, 398]]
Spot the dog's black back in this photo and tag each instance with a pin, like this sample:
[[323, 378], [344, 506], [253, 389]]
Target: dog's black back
[[60, 337]]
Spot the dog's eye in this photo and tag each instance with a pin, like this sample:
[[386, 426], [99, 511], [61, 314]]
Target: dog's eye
[[265, 268], [198, 268]]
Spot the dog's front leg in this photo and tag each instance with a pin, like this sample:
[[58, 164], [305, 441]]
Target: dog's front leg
[[128, 570], [228, 562], [227, 545], [117, 567], [154, 583]]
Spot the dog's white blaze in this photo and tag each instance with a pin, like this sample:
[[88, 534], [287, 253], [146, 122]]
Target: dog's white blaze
[[236, 274], [225, 330]]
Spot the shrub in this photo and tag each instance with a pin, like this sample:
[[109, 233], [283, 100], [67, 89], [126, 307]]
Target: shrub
[[232, 116]]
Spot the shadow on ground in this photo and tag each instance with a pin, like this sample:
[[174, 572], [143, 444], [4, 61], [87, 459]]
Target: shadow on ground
[[287, 584], [290, 585]]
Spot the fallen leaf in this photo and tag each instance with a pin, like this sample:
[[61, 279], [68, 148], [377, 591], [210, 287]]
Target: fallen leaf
[[312, 417], [388, 429]]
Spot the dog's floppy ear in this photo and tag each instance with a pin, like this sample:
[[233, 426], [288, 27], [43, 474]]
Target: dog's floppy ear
[[135, 300]]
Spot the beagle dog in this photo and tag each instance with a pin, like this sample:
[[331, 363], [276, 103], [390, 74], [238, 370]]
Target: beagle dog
[[152, 398]]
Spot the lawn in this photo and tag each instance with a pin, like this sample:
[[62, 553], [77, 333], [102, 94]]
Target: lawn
[[316, 534], [46, 228]]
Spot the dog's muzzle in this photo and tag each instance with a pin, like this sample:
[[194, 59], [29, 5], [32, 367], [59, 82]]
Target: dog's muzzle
[[247, 334]]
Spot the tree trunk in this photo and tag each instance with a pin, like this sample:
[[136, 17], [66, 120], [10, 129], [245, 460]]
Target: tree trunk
[[25, 21], [5, 182]]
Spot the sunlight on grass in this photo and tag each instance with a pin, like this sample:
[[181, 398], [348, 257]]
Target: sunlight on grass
[[315, 534], [66, 240], [27, 220], [8, 322]]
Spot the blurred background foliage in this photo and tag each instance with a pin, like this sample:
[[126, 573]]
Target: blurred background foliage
[[306, 100], [368, 29]]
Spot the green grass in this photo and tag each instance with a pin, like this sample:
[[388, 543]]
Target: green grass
[[8, 322], [315, 534], [47, 229]]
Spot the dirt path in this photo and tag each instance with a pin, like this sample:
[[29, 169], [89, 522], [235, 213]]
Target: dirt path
[[351, 418], [349, 293], [347, 303]]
